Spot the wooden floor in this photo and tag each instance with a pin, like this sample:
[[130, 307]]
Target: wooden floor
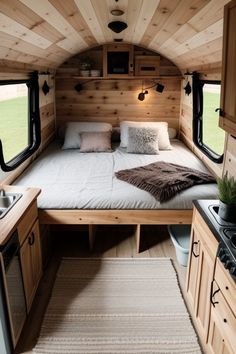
[[111, 241]]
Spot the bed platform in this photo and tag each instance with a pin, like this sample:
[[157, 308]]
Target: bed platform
[[81, 188]]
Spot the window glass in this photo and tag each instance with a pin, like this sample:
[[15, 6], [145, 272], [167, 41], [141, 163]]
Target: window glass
[[212, 135], [20, 133], [14, 119], [207, 135]]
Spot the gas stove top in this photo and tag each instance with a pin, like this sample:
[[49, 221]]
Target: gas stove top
[[226, 232]]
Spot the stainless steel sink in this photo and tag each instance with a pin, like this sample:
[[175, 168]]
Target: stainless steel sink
[[7, 201]]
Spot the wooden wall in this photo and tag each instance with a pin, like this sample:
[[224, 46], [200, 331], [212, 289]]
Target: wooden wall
[[114, 100], [47, 116], [230, 156]]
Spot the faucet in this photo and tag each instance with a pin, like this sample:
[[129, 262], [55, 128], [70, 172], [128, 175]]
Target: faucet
[[2, 193]]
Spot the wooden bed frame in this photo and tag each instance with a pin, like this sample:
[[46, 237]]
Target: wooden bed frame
[[92, 218]]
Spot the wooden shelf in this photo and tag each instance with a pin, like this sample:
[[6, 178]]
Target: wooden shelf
[[120, 77]]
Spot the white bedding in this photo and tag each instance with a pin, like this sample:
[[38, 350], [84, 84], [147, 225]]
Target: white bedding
[[73, 180]]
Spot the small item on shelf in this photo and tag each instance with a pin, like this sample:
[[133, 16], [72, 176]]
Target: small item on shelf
[[95, 73], [86, 65], [84, 72]]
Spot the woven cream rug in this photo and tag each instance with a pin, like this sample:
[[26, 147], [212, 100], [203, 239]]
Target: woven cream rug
[[116, 305]]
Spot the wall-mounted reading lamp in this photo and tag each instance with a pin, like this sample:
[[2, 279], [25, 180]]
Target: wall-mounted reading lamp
[[141, 95]]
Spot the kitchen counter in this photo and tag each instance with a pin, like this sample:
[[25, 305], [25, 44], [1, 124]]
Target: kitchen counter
[[208, 211], [224, 232], [10, 221]]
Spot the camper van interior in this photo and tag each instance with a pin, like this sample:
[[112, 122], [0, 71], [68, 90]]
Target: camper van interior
[[117, 176]]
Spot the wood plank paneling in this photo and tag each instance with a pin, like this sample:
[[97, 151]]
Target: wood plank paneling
[[28, 18], [72, 41], [12, 27], [183, 12], [146, 13], [70, 11], [87, 10], [202, 38], [172, 28], [162, 13], [115, 100]]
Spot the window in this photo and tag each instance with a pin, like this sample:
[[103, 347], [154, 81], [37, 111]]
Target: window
[[19, 121], [206, 133]]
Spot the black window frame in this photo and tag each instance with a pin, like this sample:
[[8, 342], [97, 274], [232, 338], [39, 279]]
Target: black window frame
[[34, 127], [197, 86]]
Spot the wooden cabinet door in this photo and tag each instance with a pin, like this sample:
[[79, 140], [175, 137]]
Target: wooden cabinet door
[[202, 303], [228, 87], [200, 273], [222, 331], [31, 263], [193, 266], [122, 55]]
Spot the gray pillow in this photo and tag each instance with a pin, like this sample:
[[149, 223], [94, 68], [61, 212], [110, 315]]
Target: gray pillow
[[95, 142], [142, 140]]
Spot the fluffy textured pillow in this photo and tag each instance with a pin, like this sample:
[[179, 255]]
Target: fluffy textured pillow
[[72, 138], [95, 141], [142, 140], [163, 138]]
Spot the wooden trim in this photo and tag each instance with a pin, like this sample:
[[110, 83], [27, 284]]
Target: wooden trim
[[92, 218], [113, 217], [137, 237], [120, 77]]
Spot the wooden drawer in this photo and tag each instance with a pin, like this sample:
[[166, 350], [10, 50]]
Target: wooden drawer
[[226, 321], [27, 222], [226, 284]]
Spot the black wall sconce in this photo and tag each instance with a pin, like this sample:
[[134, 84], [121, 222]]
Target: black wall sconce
[[188, 88], [159, 88], [45, 88]]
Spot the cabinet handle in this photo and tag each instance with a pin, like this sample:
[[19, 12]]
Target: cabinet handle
[[31, 239], [221, 113], [213, 294], [193, 244]]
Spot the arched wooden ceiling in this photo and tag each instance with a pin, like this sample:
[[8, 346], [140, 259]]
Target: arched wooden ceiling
[[47, 32]]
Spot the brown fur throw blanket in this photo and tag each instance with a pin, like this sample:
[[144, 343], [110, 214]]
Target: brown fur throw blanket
[[164, 180]]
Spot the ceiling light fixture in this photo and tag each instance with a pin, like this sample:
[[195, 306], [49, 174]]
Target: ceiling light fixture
[[117, 12], [117, 26]]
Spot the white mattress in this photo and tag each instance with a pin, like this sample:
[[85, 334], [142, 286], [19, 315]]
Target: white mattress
[[73, 180]]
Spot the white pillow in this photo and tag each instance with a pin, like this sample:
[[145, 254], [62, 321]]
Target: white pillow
[[72, 138], [172, 133], [163, 136]]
